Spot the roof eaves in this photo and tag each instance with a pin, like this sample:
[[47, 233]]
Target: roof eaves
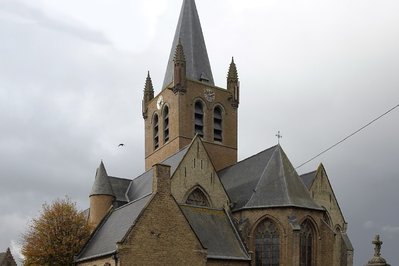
[[96, 256], [227, 258], [277, 206]]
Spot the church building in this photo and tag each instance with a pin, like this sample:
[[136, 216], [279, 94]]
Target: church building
[[196, 204]]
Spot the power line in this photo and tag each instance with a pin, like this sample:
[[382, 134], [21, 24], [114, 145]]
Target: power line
[[347, 137]]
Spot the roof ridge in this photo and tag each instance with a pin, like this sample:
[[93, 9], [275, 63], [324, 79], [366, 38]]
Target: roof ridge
[[260, 178], [250, 157], [285, 187]]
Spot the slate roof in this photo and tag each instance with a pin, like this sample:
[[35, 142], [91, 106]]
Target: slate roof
[[119, 187], [216, 232], [265, 180], [308, 178], [347, 242], [189, 32], [142, 185], [101, 185], [112, 229]]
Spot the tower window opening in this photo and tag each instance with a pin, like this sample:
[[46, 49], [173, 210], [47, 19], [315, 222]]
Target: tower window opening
[[166, 124], [217, 124], [199, 119], [156, 132]]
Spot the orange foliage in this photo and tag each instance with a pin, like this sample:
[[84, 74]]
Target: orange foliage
[[56, 236]]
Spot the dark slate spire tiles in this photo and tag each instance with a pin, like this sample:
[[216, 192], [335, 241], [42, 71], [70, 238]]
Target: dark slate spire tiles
[[189, 32]]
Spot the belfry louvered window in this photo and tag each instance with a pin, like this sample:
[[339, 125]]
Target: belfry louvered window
[[217, 124], [306, 244], [267, 244], [165, 124], [199, 119], [155, 124]]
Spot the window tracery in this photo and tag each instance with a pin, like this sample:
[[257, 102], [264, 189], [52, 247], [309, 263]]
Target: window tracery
[[306, 244], [197, 198], [267, 244]]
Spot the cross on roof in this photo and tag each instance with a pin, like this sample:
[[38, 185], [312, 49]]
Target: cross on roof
[[378, 243], [279, 136]]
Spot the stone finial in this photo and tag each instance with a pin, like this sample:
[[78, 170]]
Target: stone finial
[[377, 260]]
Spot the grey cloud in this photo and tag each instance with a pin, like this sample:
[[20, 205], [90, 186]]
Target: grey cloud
[[35, 15]]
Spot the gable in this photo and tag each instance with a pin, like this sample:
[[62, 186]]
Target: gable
[[197, 171], [323, 193]]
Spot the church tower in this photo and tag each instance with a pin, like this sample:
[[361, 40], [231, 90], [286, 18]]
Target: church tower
[[189, 103]]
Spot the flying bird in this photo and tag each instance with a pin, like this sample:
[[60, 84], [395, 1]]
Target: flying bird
[[121, 145]]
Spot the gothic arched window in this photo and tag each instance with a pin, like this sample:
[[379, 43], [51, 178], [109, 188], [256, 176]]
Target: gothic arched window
[[199, 119], [217, 124], [155, 131], [198, 198], [306, 244], [165, 124], [267, 244]]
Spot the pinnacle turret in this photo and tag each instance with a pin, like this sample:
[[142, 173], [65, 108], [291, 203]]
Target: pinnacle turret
[[233, 84], [148, 94], [179, 70]]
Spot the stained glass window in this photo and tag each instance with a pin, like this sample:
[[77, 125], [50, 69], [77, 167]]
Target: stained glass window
[[267, 244], [306, 242]]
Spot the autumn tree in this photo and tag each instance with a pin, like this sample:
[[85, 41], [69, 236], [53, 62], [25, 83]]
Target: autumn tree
[[56, 235]]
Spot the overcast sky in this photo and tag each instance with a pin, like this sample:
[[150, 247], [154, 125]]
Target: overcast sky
[[72, 74]]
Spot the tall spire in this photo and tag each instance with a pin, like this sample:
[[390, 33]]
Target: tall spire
[[189, 33]]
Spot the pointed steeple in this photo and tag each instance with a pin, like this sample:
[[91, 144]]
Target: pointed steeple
[[233, 84], [189, 32], [148, 94], [101, 185]]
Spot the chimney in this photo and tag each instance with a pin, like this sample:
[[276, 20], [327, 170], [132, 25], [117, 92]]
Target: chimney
[[161, 179]]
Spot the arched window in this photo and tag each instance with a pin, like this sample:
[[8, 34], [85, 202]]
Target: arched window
[[267, 244], [326, 217], [165, 124], [199, 119], [155, 125], [306, 244], [198, 198], [217, 124]]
